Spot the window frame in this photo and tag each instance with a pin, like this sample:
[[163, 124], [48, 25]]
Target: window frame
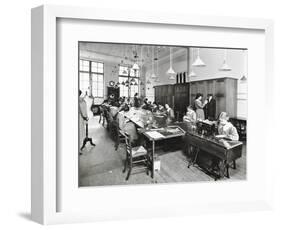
[[91, 73], [129, 78]]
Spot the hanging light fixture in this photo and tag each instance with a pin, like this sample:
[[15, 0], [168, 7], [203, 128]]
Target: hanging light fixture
[[157, 70], [171, 73], [244, 78], [192, 73], [135, 65], [225, 66], [152, 62], [140, 72], [198, 61]]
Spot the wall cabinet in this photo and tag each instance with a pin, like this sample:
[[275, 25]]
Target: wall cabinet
[[164, 94], [179, 96], [181, 99]]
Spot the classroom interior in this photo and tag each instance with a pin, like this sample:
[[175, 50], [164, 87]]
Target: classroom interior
[[161, 114]]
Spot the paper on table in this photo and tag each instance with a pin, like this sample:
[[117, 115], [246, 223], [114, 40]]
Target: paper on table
[[220, 136], [174, 130], [154, 134]]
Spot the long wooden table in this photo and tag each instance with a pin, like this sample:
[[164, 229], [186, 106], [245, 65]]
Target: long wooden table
[[226, 151]]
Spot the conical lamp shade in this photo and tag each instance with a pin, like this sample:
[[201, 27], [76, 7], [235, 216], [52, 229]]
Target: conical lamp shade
[[225, 67], [148, 82], [153, 75], [135, 66], [243, 78], [171, 72], [124, 72], [192, 74], [198, 62]]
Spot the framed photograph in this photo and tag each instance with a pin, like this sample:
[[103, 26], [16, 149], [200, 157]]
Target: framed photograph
[[138, 115]]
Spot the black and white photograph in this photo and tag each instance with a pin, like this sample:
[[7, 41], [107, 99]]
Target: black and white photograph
[[161, 114]]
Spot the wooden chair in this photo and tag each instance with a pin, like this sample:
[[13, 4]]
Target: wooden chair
[[136, 158], [102, 114], [116, 132]]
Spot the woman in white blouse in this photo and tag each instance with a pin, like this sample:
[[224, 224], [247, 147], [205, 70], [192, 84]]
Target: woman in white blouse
[[227, 129], [190, 115]]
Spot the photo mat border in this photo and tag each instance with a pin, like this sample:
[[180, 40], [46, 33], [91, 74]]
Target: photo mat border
[[44, 165]]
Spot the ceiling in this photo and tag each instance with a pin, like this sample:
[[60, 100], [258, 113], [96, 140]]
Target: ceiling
[[126, 53]]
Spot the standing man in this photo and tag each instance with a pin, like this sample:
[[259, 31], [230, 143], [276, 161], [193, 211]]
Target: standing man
[[211, 108]]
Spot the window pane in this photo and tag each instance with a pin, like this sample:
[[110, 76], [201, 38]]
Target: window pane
[[100, 65], [100, 78], [94, 69], [94, 77], [84, 65], [97, 85], [132, 72], [94, 64], [123, 71], [84, 82], [97, 67]]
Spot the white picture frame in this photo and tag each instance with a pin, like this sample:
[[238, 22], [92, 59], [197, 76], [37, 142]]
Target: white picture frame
[[46, 184]]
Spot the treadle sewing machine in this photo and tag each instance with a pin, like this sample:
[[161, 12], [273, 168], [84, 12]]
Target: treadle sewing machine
[[214, 156]]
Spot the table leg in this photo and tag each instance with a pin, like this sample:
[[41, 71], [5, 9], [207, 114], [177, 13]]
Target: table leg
[[234, 164], [152, 160], [193, 161], [227, 170]]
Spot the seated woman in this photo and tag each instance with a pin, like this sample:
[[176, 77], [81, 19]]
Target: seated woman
[[170, 114], [154, 107], [226, 129], [190, 115]]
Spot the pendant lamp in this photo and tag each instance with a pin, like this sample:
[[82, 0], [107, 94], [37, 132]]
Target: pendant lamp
[[135, 66], [192, 73], [152, 63], [198, 62], [157, 72], [245, 54], [225, 66], [171, 73]]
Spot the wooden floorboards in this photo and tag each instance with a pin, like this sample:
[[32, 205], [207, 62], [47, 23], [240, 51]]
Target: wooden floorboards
[[102, 165]]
